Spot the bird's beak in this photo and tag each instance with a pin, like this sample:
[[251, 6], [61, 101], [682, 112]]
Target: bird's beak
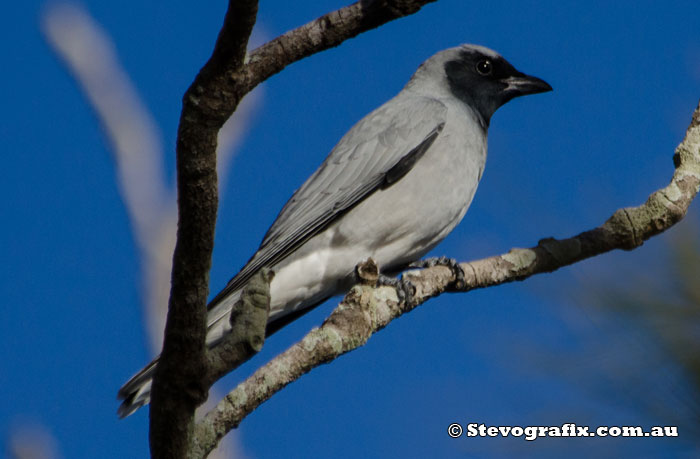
[[522, 85]]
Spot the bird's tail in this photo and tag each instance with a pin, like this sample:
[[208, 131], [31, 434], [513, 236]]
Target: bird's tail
[[136, 392]]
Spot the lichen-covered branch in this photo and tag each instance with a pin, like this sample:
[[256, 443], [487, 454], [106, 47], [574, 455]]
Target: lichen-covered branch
[[626, 229], [367, 309], [248, 323]]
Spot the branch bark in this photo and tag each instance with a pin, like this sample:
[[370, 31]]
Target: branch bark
[[178, 385], [178, 388], [367, 309], [248, 323], [328, 31]]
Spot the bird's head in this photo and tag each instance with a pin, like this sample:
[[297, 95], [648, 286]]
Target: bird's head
[[482, 78]]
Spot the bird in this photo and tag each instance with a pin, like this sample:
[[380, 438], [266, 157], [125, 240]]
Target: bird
[[396, 184]]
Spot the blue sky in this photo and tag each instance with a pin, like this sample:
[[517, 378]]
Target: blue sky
[[626, 77]]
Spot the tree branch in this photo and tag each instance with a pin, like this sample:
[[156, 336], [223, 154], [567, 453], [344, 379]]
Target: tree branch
[[178, 385], [367, 309], [328, 31], [248, 322]]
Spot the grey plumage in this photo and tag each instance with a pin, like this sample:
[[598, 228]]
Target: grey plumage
[[393, 187]]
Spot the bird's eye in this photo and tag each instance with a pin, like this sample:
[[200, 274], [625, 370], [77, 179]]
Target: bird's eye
[[484, 67]]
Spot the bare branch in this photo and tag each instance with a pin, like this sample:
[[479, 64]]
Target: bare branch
[[88, 52], [178, 387], [366, 309], [326, 32]]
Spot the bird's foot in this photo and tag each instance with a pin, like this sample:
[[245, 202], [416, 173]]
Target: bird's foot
[[367, 272], [404, 288], [451, 263]]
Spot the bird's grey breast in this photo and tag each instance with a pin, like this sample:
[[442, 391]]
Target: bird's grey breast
[[452, 168], [414, 214]]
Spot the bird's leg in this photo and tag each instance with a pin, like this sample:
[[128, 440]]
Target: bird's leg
[[451, 263], [404, 288], [367, 272]]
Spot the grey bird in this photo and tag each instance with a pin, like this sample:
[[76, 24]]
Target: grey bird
[[394, 186]]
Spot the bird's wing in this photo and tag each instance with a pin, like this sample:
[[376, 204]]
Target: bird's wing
[[374, 154], [379, 150]]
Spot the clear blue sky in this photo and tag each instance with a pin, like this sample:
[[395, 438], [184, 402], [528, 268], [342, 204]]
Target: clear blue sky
[[626, 77]]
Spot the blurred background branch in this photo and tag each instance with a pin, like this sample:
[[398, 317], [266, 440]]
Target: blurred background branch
[[29, 439], [647, 334], [89, 54]]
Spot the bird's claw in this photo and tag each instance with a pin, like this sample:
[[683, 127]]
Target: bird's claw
[[451, 263], [404, 288]]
